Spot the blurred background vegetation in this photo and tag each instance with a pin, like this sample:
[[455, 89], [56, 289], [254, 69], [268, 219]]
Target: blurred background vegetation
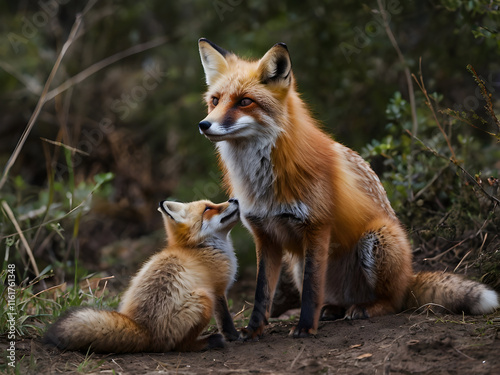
[[117, 131]]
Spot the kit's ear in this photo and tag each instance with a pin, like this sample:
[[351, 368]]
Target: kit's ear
[[175, 211], [213, 60], [275, 66]]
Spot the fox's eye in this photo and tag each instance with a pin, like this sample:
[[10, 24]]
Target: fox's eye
[[245, 102], [215, 101], [207, 209]]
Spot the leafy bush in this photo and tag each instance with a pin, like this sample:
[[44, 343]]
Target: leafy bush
[[429, 184]]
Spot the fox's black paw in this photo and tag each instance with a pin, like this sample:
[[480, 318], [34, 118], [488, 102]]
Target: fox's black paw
[[216, 341], [356, 312], [249, 334], [233, 335], [298, 332], [332, 313]]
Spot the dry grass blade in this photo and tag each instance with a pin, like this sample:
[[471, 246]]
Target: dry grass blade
[[470, 251], [12, 218], [104, 63], [47, 290], [60, 144], [428, 306], [46, 95], [41, 100]]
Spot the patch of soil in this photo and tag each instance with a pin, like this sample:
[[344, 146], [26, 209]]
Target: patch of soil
[[398, 344]]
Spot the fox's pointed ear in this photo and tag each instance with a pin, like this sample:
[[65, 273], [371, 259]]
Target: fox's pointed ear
[[276, 65], [174, 210], [213, 60]]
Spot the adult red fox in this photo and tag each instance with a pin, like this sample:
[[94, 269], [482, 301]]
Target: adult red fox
[[173, 296], [304, 195]]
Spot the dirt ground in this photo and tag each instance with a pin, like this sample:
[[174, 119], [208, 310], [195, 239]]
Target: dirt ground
[[407, 343]]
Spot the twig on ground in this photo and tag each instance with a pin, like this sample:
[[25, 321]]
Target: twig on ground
[[426, 307], [450, 249], [243, 309], [465, 355], [297, 357]]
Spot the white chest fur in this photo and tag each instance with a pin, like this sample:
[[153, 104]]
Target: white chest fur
[[250, 169], [226, 246]]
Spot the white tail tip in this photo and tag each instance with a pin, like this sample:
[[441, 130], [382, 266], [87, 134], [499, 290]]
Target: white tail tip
[[488, 302]]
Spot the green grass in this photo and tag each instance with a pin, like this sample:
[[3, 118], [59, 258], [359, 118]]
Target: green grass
[[89, 364], [36, 309]]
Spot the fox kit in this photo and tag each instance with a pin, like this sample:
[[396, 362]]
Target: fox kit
[[173, 296], [313, 202]]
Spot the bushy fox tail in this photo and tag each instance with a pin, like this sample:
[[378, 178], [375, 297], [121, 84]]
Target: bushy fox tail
[[101, 331], [452, 292]]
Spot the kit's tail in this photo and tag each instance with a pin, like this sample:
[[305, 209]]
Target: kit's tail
[[100, 331]]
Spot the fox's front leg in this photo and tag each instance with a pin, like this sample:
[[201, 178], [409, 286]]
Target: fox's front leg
[[269, 254], [224, 320], [313, 284]]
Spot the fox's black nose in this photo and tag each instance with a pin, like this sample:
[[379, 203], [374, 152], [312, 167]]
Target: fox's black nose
[[204, 125], [233, 200]]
